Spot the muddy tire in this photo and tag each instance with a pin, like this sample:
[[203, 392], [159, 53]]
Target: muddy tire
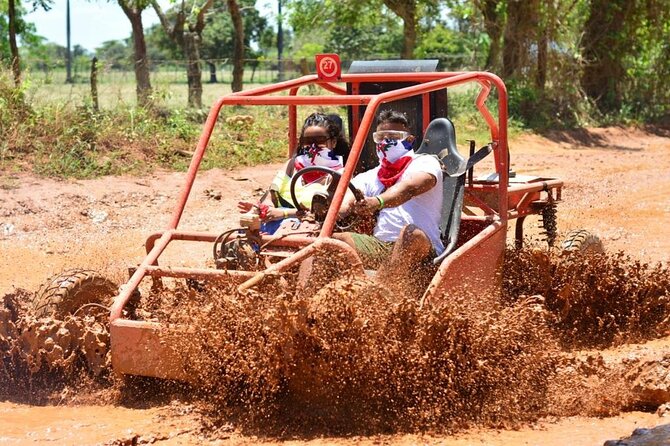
[[70, 290], [581, 241]]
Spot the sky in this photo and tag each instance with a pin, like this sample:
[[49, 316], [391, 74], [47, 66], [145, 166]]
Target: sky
[[93, 22]]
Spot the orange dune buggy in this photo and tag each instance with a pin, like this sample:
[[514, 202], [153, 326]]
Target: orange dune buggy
[[475, 213]]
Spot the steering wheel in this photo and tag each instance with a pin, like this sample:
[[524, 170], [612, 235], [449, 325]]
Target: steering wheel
[[331, 187]]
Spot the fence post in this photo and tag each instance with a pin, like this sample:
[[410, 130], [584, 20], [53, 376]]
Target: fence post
[[94, 82]]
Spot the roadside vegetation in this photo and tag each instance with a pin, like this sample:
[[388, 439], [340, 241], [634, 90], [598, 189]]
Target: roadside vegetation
[[65, 139]]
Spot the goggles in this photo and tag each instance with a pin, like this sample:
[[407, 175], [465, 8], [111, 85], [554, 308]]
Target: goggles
[[318, 140], [389, 134]]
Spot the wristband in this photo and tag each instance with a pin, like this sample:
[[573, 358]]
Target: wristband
[[263, 210], [381, 201], [285, 213]]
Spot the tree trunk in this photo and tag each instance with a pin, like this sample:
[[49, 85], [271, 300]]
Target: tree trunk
[[493, 26], [604, 71], [186, 31], [238, 50], [542, 46], [193, 70], [14, 49], [142, 77], [94, 83], [212, 72], [520, 27], [409, 41], [406, 10]]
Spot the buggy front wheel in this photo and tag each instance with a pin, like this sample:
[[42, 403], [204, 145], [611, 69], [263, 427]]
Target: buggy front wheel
[[74, 291]]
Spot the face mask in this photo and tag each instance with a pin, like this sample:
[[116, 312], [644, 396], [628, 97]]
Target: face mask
[[392, 149], [317, 156]]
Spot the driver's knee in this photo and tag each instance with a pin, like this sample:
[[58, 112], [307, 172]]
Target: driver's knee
[[414, 242], [413, 235], [344, 237]]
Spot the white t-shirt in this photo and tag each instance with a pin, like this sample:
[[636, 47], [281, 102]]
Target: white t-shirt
[[424, 210]]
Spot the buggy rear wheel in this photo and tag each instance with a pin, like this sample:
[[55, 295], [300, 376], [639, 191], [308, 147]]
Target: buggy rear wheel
[[581, 241], [72, 290]]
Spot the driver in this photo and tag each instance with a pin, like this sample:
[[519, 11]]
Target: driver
[[320, 140], [406, 192]]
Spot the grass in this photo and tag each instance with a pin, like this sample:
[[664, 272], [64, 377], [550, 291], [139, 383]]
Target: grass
[[118, 87], [171, 95], [469, 123]]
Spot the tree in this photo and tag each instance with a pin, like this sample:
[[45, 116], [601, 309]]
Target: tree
[[493, 13], [16, 26], [520, 29], [186, 31], [409, 12], [620, 37], [351, 29], [133, 10], [218, 35], [115, 53], [605, 47], [13, 47], [238, 54], [406, 10]]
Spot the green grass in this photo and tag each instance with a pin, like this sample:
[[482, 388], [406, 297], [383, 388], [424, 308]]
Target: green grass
[[469, 123], [111, 95], [118, 87]]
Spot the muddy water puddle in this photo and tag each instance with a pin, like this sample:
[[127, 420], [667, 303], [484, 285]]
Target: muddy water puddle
[[114, 425], [91, 425]]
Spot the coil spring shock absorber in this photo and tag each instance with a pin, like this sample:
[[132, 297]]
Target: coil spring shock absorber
[[548, 220]]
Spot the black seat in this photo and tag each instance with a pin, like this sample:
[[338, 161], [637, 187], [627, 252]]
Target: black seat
[[440, 140]]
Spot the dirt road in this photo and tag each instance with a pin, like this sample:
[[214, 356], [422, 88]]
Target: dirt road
[[617, 183]]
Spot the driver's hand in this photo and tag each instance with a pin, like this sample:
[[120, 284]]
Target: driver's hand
[[245, 206], [365, 207]]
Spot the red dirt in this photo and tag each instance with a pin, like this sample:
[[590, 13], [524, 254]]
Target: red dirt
[[617, 184]]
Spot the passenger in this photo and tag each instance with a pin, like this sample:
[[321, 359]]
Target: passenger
[[319, 139], [342, 146], [406, 190]]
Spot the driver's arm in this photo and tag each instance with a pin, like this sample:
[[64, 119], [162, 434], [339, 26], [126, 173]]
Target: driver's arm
[[399, 193], [347, 204]]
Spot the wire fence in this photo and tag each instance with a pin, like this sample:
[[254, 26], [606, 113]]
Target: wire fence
[[257, 71], [165, 71], [116, 78]]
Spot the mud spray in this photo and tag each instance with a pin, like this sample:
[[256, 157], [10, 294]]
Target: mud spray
[[46, 360], [355, 357]]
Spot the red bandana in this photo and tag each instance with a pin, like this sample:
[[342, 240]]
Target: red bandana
[[389, 173], [311, 176]]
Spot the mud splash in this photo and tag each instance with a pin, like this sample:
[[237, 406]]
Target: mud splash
[[599, 300], [357, 358], [44, 360]]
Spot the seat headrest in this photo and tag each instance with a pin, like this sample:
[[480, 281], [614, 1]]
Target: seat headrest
[[439, 139]]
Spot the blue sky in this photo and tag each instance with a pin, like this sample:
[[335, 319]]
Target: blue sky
[[95, 21]]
